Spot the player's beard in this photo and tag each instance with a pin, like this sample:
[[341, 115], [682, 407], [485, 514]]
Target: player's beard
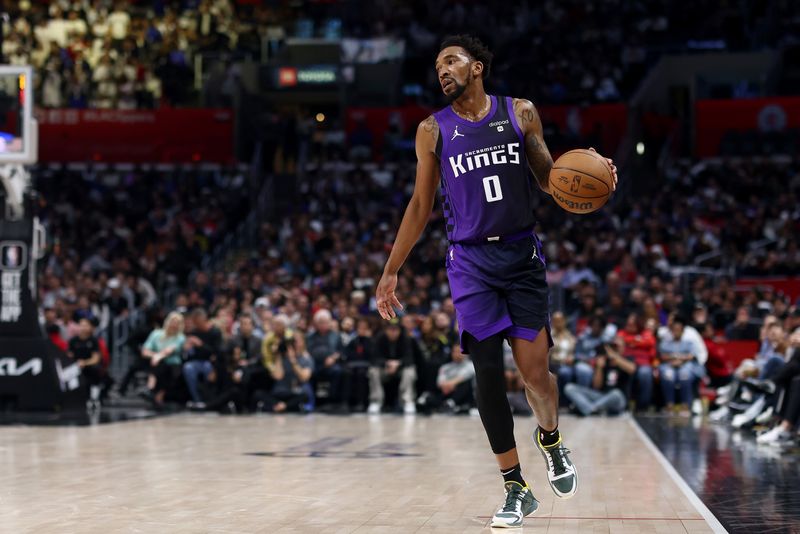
[[452, 97]]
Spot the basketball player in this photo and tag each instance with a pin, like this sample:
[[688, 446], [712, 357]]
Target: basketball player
[[483, 149]]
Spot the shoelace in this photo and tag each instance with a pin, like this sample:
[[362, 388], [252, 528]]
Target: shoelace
[[513, 500], [557, 459]]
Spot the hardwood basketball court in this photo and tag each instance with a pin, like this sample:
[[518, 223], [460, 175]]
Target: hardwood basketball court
[[273, 474]]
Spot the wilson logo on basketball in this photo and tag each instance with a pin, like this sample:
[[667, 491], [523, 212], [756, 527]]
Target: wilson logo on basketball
[[571, 204]]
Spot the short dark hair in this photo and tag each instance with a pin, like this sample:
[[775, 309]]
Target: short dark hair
[[679, 319], [474, 48]]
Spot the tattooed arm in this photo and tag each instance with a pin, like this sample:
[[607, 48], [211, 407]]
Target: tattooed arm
[[416, 215], [539, 158]]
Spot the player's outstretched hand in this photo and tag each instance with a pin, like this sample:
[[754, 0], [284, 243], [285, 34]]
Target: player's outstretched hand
[[613, 169], [385, 297]]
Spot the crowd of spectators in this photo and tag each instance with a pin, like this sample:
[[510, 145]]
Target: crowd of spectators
[[742, 211], [123, 54], [764, 392], [222, 348], [570, 51], [291, 325], [119, 238]]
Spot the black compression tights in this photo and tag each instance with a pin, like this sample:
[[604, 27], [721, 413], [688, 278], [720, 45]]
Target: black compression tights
[[487, 357]]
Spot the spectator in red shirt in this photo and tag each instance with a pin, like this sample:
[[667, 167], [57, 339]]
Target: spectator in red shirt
[[627, 270], [720, 370], [54, 333], [639, 346]]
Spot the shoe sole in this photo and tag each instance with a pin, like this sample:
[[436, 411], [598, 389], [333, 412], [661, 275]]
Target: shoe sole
[[515, 525]]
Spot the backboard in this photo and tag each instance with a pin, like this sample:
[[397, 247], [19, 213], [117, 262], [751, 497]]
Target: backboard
[[18, 134]]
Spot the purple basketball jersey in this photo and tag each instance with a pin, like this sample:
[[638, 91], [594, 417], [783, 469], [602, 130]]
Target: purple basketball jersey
[[487, 190]]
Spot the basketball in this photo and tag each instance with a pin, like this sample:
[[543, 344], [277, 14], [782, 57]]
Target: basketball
[[581, 181]]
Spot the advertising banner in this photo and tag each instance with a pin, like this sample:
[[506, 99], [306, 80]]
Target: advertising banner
[[789, 286], [136, 136], [714, 118]]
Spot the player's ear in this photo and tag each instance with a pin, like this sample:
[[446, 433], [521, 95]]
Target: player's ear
[[477, 69]]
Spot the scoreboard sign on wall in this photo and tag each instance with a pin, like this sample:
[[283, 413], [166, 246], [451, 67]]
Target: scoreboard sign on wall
[[302, 77]]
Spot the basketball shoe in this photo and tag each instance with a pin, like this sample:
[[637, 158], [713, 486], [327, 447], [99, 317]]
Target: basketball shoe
[[561, 472], [519, 503]]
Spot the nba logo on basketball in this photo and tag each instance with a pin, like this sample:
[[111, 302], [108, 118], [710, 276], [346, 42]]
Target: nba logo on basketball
[[576, 183]]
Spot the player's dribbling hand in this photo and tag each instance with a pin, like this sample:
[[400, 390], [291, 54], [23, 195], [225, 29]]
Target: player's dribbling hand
[[613, 169], [385, 298]]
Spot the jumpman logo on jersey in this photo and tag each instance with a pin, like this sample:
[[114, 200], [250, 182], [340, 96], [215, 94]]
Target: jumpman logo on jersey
[[456, 134]]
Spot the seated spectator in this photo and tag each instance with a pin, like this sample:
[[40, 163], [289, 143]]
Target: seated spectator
[[136, 339], [54, 335], [616, 310], [751, 392], [562, 355], [118, 303], [204, 358], [325, 346], [516, 392], [741, 328], [679, 360], [54, 328], [788, 379], [393, 362], [770, 359], [756, 395], [639, 346], [611, 383], [277, 332], [588, 308], [84, 348], [695, 339], [249, 371], [767, 360], [164, 350], [593, 338], [347, 330], [435, 348], [57, 332], [291, 371], [358, 355], [455, 383], [718, 367]]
